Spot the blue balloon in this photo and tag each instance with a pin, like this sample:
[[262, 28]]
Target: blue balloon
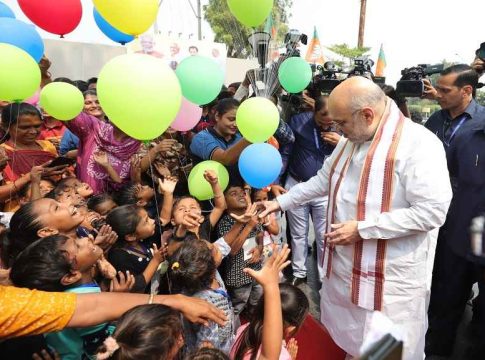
[[5, 11], [111, 32], [260, 165], [23, 36]]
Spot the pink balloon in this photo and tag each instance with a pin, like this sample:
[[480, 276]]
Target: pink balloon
[[34, 100], [188, 116]]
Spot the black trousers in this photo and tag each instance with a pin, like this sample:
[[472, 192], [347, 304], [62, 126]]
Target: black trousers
[[453, 278]]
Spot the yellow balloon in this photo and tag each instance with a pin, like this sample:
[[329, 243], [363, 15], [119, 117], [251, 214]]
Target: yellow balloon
[[132, 17]]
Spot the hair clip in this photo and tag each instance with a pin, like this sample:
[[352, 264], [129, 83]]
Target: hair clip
[[175, 265], [111, 346]]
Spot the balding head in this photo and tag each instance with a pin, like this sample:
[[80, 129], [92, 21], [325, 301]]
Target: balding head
[[356, 106]]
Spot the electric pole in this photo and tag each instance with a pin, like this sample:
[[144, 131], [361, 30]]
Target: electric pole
[[363, 5], [199, 19]]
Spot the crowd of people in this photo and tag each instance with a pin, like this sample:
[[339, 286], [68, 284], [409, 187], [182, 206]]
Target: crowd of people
[[104, 253], [93, 219]]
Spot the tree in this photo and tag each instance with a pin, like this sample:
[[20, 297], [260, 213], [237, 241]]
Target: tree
[[347, 52], [234, 34], [433, 78], [480, 98]]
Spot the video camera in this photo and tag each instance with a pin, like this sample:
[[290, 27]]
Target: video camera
[[362, 67], [292, 39], [326, 78], [295, 101], [330, 75], [480, 53], [411, 83]]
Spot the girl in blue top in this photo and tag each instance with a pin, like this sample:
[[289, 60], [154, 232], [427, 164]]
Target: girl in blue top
[[61, 263]]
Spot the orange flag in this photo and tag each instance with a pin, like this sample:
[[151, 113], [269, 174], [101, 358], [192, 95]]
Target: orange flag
[[381, 63], [314, 53], [271, 29]]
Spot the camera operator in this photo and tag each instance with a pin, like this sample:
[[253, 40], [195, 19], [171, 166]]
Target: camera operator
[[460, 125], [478, 65], [315, 139], [455, 91]]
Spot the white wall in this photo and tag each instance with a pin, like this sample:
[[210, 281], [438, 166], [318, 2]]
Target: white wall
[[80, 61]]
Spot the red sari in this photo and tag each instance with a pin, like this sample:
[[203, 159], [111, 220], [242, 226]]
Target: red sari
[[21, 161]]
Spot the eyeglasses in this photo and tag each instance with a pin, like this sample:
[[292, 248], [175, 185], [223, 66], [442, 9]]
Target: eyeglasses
[[340, 123]]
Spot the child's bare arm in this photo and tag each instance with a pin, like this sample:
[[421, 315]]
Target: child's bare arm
[[268, 277], [250, 218], [167, 187], [102, 160], [231, 236], [158, 257], [219, 201]]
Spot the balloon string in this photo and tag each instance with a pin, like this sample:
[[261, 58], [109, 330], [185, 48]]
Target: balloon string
[[10, 197], [159, 223]]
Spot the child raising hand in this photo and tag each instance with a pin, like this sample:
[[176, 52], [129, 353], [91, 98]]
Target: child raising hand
[[278, 315], [187, 212]]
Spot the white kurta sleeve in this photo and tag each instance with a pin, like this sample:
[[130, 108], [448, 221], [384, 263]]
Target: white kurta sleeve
[[299, 194], [427, 189]]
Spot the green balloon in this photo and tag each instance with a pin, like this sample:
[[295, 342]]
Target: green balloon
[[140, 94], [19, 74], [200, 187], [201, 79], [251, 13], [257, 119], [61, 100], [295, 74]]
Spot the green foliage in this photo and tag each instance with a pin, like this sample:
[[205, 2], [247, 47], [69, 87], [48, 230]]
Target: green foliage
[[418, 104], [347, 52], [234, 34], [480, 97], [435, 77]]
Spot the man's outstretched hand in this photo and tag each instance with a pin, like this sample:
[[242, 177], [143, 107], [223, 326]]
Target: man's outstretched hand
[[267, 207]]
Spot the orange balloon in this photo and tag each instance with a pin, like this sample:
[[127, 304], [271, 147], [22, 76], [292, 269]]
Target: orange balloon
[[272, 141]]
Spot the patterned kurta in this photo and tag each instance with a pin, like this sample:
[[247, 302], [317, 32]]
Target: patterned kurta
[[233, 265]]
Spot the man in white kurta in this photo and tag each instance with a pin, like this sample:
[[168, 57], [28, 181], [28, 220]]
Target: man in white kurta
[[420, 194]]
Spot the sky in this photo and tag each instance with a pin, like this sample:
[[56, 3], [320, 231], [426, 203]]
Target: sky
[[411, 31]]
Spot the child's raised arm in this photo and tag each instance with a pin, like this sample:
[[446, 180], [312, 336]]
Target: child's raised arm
[[219, 200], [167, 187], [101, 158], [35, 177], [268, 277], [250, 219]]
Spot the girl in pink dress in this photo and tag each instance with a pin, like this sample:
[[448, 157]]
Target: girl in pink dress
[[278, 316]]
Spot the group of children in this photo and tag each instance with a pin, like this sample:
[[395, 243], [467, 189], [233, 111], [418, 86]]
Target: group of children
[[144, 239]]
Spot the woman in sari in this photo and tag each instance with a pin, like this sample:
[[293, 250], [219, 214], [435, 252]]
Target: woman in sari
[[97, 137], [21, 123], [69, 141]]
